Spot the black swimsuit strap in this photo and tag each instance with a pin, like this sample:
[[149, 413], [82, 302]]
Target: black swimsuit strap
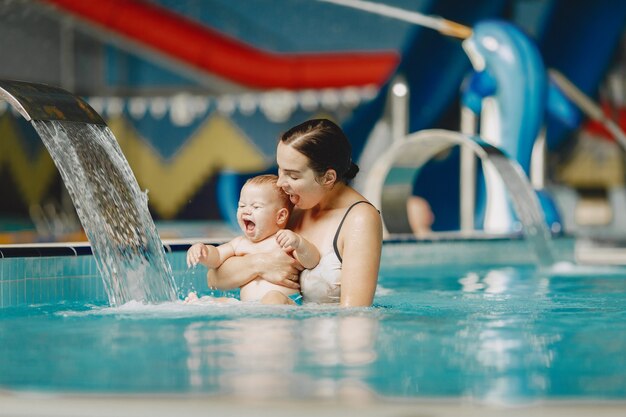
[[341, 224]]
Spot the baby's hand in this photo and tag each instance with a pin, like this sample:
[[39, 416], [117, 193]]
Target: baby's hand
[[287, 240], [191, 298], [196, 253]]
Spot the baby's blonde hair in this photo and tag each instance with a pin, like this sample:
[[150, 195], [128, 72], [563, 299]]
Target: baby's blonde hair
[[271, 179]]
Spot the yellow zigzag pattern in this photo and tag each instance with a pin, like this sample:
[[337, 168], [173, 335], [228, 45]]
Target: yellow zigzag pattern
[[218, 144], [32, 177]]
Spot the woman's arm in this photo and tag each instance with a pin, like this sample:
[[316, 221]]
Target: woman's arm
[[276, 267], [360, 245]]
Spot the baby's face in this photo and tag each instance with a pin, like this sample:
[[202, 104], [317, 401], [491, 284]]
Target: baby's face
[[257, 213]]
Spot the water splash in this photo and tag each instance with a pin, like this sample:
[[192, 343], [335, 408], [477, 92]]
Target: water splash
[[527, 208], [112, 209]]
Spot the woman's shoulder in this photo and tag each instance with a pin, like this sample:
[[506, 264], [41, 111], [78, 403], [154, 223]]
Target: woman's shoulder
[[355, 201], [361, 227], [361, 210]]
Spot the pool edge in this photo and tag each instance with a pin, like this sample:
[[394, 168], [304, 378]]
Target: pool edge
[[69, 405]]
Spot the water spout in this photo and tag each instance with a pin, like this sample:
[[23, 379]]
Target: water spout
[[43, 102], [390, 184], [110, 205]]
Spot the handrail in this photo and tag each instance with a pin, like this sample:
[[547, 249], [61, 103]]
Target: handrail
[[588, 106]]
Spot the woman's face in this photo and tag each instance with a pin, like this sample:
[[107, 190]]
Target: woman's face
[[296, 178]]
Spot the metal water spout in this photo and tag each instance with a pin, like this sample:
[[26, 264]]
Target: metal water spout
[[390, 183], [111, 207], [44, 102]]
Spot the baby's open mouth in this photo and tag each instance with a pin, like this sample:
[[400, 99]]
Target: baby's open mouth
[[249, 224]]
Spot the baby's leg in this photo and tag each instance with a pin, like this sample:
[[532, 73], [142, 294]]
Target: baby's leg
[[276, 297]]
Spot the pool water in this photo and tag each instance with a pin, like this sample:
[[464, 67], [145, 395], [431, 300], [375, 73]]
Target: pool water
[[487, 333]]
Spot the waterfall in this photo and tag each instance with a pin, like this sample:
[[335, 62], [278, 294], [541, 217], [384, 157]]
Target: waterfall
[[112, 209], [526, 205]]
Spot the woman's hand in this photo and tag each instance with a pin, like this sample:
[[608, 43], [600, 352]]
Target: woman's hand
[[276, 267], [196, 254], [279, 268]]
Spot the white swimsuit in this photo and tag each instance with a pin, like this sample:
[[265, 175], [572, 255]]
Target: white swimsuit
[[322, 284]]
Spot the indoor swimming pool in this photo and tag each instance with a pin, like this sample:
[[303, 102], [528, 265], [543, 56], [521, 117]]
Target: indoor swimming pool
[[468, 320], [501, 309]]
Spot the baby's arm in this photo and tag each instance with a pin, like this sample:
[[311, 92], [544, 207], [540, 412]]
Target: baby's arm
[[303, 250], [209, 255]]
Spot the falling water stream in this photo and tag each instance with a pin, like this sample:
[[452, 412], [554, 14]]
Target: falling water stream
[[391, 180], [112, 209], [527, 208]]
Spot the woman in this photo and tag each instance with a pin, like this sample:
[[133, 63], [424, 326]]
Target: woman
[[314, 168]]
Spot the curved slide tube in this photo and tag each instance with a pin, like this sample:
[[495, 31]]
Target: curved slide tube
[[205, 49]]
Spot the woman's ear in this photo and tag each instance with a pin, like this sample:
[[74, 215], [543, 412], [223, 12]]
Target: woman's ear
[[330, 177], [282, 216]]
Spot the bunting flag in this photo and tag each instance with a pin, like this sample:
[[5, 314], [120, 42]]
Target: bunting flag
[[176, 145]]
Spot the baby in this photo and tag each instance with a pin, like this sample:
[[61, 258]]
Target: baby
[[262, 215]]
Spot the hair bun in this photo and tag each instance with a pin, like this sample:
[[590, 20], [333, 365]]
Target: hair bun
[[352, 171]]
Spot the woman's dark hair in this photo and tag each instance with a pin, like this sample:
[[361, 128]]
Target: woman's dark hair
[[326, 147]]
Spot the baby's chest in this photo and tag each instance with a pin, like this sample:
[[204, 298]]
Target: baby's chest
[[245, 246]]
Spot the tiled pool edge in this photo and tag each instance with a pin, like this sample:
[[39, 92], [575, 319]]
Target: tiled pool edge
[[49, 279], [48, 274]]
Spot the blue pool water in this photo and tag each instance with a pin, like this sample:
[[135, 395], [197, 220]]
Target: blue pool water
[[498, 332]]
